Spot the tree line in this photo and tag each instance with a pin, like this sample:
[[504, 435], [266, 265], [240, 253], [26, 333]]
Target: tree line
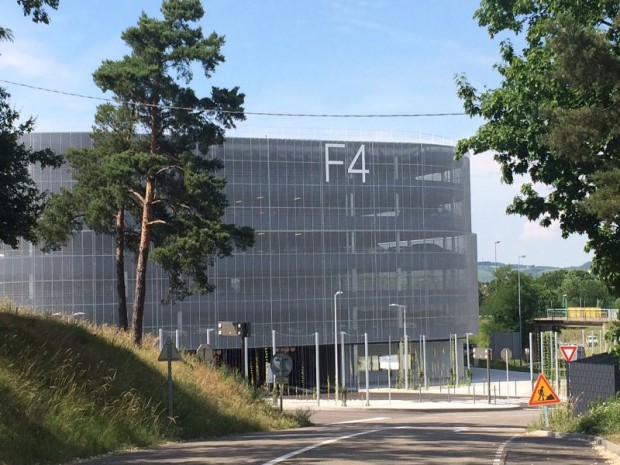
[[560, 289]]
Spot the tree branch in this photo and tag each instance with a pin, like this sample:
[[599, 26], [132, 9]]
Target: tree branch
[[156, 222], [137, 195]]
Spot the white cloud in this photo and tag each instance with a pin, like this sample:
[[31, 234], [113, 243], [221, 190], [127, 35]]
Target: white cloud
[[29, 59], [532, 231], [483, 165]]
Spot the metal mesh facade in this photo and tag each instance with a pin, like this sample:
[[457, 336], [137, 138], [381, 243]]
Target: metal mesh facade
[[384, 223]]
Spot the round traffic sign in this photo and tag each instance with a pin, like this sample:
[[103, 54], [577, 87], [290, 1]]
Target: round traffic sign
[[281, 364], [205, 352]]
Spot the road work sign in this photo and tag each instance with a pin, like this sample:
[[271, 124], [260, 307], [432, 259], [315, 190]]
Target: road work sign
[[543, 393]]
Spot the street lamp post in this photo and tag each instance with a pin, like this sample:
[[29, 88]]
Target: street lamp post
[[406, 343], [496, 242], [336, 343], [519, 292], [467, 348], [343, 371]]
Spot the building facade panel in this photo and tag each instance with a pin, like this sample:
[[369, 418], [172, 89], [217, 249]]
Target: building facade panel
[[382, 222]]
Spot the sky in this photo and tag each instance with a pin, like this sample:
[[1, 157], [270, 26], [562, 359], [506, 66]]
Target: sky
[[304, 56]]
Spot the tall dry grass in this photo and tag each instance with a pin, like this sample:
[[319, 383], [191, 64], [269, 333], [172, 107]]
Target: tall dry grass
[[69, 390]]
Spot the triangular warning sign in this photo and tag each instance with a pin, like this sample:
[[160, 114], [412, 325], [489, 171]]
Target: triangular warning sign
[[568, 352], [543, 393], [169, 352]]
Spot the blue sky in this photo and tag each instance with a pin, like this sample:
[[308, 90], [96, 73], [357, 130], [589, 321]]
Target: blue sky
[[319, 56]]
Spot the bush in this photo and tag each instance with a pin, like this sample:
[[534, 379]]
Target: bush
[[601, 419]]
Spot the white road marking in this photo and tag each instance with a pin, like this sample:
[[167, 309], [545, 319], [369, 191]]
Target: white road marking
[[496, 461], [461, 429], [314, 446], [500, 450], [361, 421]]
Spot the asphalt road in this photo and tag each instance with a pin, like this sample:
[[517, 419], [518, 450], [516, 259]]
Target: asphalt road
[[344, 437]]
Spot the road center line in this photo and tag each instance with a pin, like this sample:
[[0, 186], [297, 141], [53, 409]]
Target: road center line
[[314, 446], [361, 421]]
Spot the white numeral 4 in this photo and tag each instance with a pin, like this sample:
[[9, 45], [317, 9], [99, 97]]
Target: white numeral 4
[[363, 171]]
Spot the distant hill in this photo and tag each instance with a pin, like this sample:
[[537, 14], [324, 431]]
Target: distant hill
[[485, 269]]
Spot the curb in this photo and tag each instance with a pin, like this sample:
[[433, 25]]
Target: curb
[[609, 446], [384, 409]]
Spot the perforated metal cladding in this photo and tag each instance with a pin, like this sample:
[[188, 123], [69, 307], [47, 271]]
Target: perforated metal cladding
[[382, 222]]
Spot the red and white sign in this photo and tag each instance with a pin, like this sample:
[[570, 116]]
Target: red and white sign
[[568, 352]]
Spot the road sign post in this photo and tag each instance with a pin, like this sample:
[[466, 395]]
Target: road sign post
[[569, 353], [506, 355], [482, 353], [281, 366], [169, 353], [543, 395]]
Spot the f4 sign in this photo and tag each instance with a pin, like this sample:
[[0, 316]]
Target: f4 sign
[[359, 159]]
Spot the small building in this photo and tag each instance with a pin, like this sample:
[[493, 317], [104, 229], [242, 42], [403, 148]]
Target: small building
[[592, 379]]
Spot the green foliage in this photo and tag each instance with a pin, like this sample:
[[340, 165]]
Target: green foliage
[[573, 288], [101, 197], [500, 308], [601, 419], [584, 290], [561, 419], [20, 199], [164, 180], [70, 390], [34, 8], [612, 336], [555, 116]]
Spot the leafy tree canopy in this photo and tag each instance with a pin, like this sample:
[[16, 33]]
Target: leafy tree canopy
[[555, 116], [36, 8], [584, 290], [500, 308], [20, 199]]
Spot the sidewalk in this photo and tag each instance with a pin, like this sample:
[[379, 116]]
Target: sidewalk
[[436, 398]]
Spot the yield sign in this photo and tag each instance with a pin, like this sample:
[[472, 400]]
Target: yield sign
[[543, 393], [568, 352]]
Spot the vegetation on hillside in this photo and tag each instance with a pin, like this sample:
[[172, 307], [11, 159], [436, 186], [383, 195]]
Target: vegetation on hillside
[[71, 390]]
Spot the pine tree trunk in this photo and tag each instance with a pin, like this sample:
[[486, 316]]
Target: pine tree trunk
[[143, 256], [123, 322]]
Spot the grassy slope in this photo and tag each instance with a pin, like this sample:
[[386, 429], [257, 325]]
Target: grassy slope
[[68, 390]]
